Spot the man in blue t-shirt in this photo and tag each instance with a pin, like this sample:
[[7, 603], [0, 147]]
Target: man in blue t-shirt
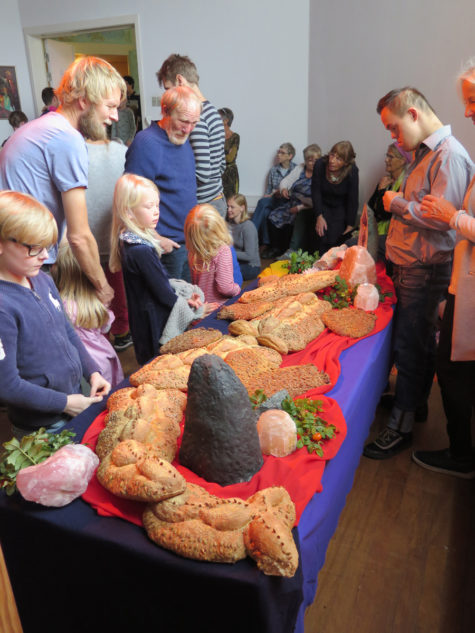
[[47, 157]]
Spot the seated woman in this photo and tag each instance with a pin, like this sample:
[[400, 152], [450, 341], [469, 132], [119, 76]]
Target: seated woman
[[245, 238], [230, 176], [334, 196], [396, 162], [296, 193]]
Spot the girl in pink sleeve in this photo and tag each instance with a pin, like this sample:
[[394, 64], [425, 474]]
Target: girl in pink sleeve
[[90, 318], [209, 254]]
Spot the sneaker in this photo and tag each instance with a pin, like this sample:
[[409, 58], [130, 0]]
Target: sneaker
[[388, 443], [443, 462], [122, 342], [285, 255]]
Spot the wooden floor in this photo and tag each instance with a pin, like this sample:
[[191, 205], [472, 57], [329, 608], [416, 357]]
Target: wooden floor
[[402, 559]]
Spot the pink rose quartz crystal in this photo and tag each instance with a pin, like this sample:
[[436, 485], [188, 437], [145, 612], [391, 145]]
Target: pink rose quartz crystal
[[277, 433], [358, 267], [59, 479]]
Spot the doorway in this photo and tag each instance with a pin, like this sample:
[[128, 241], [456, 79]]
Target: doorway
[[50, 51]]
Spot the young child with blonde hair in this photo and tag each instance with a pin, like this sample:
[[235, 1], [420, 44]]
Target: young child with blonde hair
[[210, 258], [245, 238], [90, 317], [159, 308], [42, 359]]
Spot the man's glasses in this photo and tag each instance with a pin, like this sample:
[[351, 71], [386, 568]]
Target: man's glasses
[[33, 249]]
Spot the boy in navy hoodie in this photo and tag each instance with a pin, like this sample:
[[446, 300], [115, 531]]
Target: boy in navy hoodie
[[42, 359]]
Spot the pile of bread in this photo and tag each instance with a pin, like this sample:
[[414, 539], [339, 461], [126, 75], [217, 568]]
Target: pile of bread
[[136, 448], [142, 427]]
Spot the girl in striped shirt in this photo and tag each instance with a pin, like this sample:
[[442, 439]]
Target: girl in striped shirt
[[209, 245]]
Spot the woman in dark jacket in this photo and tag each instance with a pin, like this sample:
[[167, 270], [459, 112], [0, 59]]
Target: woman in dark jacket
[[335, 196]]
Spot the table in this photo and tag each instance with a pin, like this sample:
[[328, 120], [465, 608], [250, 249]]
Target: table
[[72, 570]]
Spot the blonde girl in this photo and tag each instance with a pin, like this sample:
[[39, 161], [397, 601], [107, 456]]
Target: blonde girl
[[210, 257], [159, 308], [245, 238], [90, 317]]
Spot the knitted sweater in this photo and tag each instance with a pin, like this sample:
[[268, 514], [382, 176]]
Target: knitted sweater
[[42, 359], [172, 168], [246, 242]]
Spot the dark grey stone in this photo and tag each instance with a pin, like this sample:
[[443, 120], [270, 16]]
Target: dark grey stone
[[220, 441], [273, 402]]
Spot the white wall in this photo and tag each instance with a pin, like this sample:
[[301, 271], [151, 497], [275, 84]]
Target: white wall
[[361, 50], [252, 56], [12, 53], [306, 71]]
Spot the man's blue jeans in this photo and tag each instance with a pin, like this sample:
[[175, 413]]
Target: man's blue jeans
[[176, 263], [259, 218], [419, 290]]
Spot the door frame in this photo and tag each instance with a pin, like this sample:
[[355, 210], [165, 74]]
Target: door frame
[[34, 37]]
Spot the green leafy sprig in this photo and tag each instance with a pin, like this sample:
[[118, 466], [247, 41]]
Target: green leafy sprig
[[312, 430], [30, 450], [340, 295], [301, 260], [257, 398]]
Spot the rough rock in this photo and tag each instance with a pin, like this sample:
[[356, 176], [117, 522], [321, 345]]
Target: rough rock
[[220, 441]]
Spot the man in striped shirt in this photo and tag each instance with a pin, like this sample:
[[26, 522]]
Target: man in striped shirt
[[207, 139]]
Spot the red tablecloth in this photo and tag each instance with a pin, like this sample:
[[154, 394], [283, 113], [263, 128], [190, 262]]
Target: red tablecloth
[[300, 473]]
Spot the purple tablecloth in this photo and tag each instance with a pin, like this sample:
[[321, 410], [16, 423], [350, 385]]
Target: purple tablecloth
[[72, 570]]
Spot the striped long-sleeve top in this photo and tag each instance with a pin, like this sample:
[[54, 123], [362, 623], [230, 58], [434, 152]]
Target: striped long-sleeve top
[[207, 141], [216, 283]]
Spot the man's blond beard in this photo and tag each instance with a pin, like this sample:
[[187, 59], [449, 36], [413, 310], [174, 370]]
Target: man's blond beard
[[90, 127]]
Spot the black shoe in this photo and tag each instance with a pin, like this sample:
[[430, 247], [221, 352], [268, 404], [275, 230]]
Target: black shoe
[[122, 342], [388, 443], [443, 462]]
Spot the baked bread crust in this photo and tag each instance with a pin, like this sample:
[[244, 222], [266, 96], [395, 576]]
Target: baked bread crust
[[351, 322], [145, 414], [290, 285], [200, 526], [296, 379], [237, 311], [197, 337], [252, 361], [136, 471]]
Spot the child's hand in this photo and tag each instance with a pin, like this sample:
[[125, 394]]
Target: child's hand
[[195, 301], [76, 403], [99, 385], [211, 307]]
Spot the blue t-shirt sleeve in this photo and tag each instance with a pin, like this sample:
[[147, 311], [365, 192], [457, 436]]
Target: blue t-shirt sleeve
[[67, 160]]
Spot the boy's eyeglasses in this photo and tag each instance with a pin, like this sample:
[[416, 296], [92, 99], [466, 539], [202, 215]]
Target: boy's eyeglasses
[[33, 249]]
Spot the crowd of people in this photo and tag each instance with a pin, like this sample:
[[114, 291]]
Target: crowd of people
[[141, 235]]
